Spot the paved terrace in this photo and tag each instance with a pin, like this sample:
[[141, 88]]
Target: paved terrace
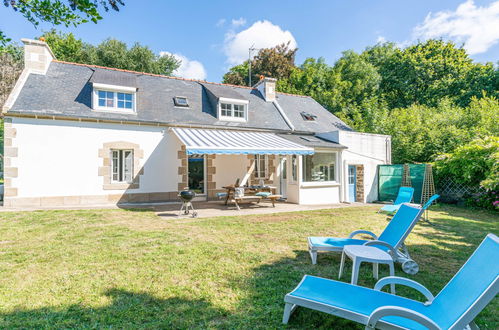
[[203, 209]]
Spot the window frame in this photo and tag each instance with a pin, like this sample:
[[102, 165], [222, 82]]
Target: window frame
[[233, 103], [115, 90], [335, 172], [121, 165], [180, 105], [294, 168], [258, 159]]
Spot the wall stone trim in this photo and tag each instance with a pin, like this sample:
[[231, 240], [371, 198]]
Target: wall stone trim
[[359, 185], [105, 170], [211, 170], [10, 152], [87, 200], [182, 169]]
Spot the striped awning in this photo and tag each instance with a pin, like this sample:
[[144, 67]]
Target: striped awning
[[215, 141]]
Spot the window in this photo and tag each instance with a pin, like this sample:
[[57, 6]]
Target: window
[[233, 111], [308, 116], [114, 100], [122, 165], [180, 101], [319, 167], [226, 109], [106, 99], [261, 162], [239, 110], [294, 168], [125, 101]]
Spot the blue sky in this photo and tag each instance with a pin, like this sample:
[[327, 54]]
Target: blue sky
[[211, 36]]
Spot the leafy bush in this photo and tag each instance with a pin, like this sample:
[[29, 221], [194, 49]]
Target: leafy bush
[[475, 164], [488, 200]]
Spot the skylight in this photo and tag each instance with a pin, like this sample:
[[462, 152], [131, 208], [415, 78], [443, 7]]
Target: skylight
[[180, 101], [308, 116]]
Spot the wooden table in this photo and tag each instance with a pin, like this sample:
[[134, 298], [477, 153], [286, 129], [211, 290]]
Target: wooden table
[[253, 189]]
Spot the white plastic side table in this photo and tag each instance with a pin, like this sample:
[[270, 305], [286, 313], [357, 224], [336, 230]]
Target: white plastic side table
[[362, 253]]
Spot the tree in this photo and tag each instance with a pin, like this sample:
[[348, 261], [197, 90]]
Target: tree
[[57, 12], [277, 62], [111, 53], [237, 75], [66, 47]]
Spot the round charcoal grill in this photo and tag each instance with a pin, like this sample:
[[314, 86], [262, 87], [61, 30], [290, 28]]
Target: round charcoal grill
[[186, 196]]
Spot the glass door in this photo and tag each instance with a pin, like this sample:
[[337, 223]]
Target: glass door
[[283, 177], [352, 182], [196, 170]]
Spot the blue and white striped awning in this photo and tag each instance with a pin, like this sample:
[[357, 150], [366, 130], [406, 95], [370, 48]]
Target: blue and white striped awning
[[215, 141]]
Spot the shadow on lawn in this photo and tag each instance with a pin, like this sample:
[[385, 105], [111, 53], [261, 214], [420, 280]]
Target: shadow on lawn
[[451, 243], [127, 310]]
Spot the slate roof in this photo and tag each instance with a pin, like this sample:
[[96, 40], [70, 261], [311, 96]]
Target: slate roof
[[311, 141], [66, 90]]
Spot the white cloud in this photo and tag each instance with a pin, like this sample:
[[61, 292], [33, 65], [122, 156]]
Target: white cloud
[[380, 40], [221, 22], [475, 26], [262, 34], [238, 22], [188, 68]]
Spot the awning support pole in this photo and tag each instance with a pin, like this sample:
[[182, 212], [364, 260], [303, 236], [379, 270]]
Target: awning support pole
[[248, 174]]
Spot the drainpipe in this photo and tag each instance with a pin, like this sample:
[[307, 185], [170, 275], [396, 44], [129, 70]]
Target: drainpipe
[[286, 119]]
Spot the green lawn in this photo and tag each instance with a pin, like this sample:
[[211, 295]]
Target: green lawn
[[123, 269]]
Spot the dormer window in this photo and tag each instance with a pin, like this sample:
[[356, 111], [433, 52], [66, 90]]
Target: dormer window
[[180, 101], [114, 98], [308, 116], [233, 110]]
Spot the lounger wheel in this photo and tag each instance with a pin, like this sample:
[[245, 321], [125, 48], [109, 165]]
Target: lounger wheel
[[194, 214], [410, 267]]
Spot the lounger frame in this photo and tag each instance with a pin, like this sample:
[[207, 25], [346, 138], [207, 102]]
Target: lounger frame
[[465, 321]]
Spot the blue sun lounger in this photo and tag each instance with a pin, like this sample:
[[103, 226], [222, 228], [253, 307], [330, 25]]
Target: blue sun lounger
[[404, 196], [391, 239], [455, 307]]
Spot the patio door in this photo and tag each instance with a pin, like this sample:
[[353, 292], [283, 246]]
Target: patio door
[[196, 171], [352, 182], [283, 176]]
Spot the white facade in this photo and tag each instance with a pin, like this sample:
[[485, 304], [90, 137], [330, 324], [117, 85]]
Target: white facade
[[57, 158], [61, 158]]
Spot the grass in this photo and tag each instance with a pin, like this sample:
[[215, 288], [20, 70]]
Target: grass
[[123, 269]]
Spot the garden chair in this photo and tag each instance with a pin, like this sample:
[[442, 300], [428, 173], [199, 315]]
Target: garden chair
[[391, 239], [455, 307], [404, 196]]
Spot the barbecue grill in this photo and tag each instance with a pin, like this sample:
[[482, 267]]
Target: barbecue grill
[[186, 196]]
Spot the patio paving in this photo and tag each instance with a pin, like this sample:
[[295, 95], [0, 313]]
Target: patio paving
[[170, 210], [217, 208]]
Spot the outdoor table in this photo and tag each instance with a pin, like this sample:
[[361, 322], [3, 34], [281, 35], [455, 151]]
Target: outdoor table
[[362, 253], [231, 189]]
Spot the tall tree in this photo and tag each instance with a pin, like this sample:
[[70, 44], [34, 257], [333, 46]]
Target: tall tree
[[276, 62], [57, 12], [111, 52]]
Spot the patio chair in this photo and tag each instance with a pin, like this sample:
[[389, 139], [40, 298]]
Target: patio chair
[[391, 239], [404, 196], [455, 307]]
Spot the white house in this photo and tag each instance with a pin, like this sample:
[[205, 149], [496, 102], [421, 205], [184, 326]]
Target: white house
[[79, 134]]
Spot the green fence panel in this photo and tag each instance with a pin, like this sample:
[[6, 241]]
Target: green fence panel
[[417, 178], [389, 181]]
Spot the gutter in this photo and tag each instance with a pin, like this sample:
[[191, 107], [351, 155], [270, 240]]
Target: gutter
[[286, 119], [136, 122]]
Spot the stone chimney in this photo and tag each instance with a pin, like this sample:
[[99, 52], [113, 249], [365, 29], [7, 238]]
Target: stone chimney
[[37, 56], [266, 87]]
